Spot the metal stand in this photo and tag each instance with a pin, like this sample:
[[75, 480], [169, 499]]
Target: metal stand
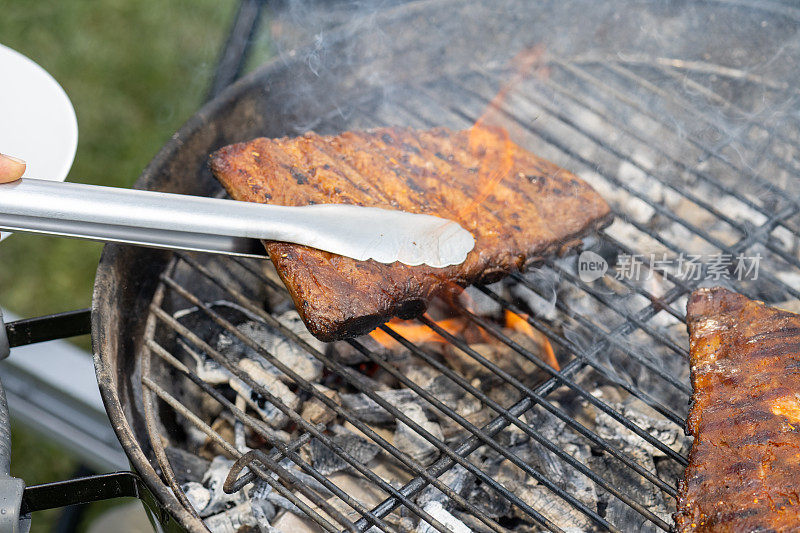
[[11, 488]]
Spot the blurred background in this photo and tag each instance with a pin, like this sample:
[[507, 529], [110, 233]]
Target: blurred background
[[135, 71]]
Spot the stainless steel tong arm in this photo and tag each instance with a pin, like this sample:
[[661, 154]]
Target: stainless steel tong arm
[[178, 221]]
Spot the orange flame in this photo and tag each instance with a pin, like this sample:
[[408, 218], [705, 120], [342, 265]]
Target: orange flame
[[525, 62], [489, 141], [492, 146], [461, 326], [520, 323], [418, 333]]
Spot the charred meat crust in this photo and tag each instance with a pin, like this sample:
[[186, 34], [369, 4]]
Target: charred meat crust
[[744, 465], [537, 210]]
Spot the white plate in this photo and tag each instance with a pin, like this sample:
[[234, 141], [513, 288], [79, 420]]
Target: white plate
[[37, 120]]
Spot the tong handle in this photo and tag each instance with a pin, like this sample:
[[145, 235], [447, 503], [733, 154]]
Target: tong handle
[[208, 224], [111, 214]]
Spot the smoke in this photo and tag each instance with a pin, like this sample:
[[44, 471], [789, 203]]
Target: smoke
[[682, 115], [716, 85]]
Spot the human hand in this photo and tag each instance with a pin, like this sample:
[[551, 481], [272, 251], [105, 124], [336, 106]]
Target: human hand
[[11, 168]]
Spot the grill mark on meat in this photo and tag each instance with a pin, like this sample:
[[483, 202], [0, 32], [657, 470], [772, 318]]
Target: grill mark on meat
[[298, 176], [458, 164], [745, 417], [465, 161], [351, 174], [278, 153], [462, 162], [340, 154], [452, 198], [783, 333], [341, 181], [429, 189], [445, 168], [368, 163], [313, 160], [326, 188], [436, 172], [546, 217], [348, 174]]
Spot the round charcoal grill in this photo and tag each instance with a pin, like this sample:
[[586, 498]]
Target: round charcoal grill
[[680, 115]]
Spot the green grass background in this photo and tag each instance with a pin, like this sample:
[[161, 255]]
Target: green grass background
[[135, 71]]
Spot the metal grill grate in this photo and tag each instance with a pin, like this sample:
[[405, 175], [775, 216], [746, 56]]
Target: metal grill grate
[[687, 169]]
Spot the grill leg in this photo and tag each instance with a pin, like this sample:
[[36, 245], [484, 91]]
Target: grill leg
[[5, 346], [11, 488]]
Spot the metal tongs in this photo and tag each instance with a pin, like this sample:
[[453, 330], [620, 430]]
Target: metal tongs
[[177, 221]]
